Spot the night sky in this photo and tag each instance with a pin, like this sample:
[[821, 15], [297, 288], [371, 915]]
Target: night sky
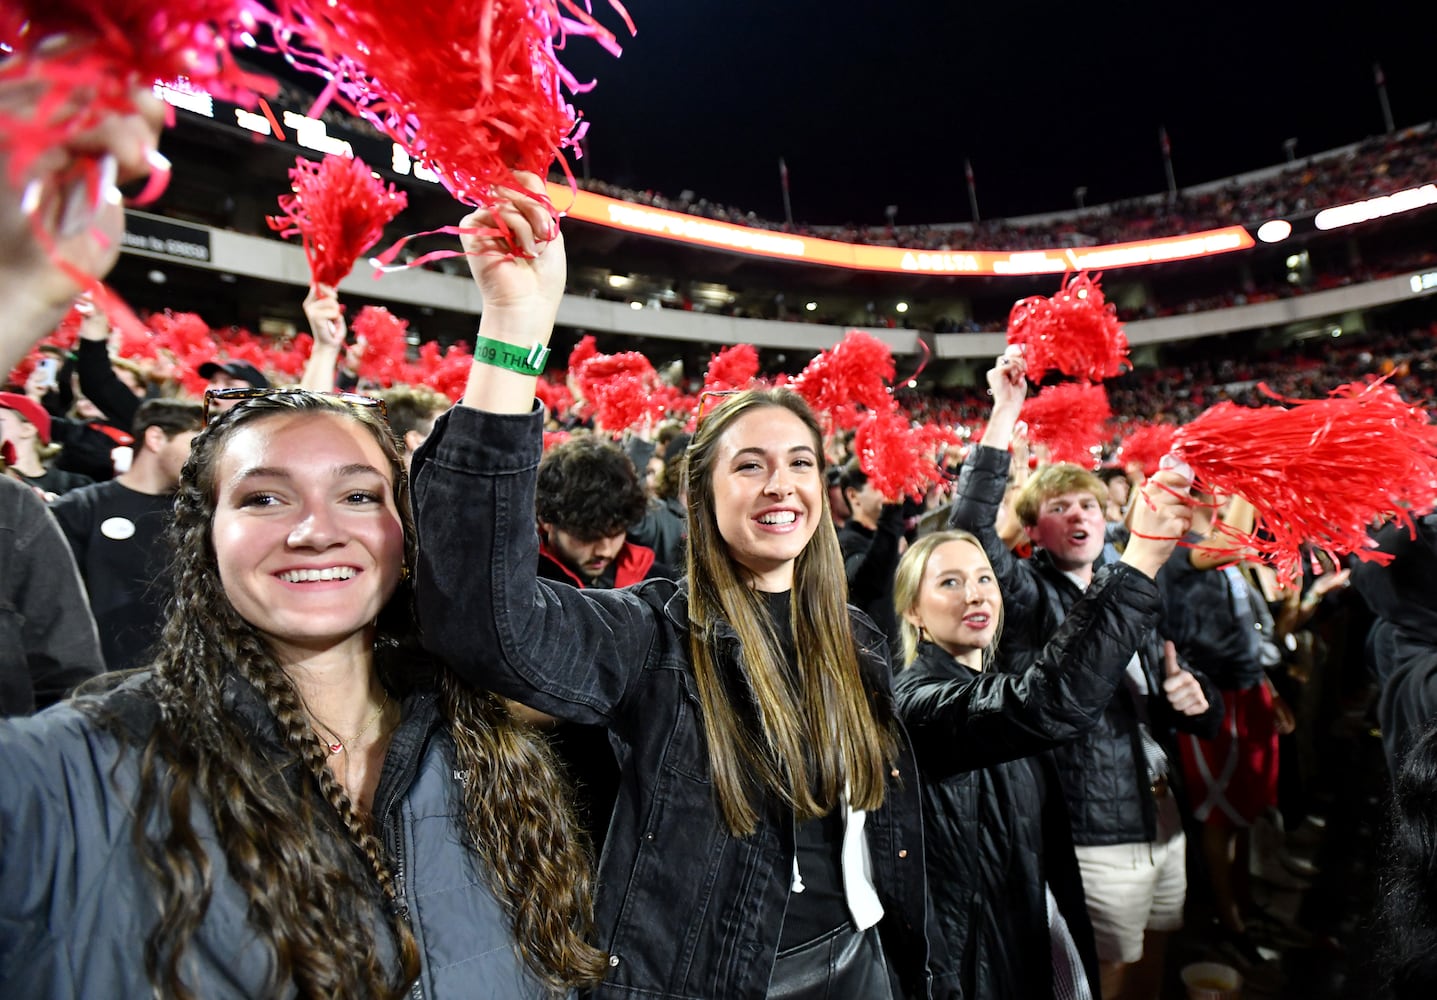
[[876, 104]]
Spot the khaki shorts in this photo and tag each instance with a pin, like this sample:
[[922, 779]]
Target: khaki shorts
[[1134, 888]]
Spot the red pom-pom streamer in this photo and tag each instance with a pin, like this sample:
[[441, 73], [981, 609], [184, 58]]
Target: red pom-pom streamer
[[1070, 419], [339, 209], [383, 356], [1317, 471], [497, 106], [1146, 445], [854, 372], [732, 368], [900, 459], [1076, 332], [93, 55]]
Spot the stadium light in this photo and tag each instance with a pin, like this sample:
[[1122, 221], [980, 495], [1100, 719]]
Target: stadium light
[[1274, 230], [810, 306], [902, 307]]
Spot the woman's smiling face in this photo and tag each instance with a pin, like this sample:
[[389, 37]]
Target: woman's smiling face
[[307, 538]]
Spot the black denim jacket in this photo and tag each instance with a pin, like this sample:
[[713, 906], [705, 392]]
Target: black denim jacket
[[684, 909]]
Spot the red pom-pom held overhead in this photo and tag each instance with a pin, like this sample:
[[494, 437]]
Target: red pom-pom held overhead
[[856, 371], [1318, 471], [472, 89], [732, 368], [1075, 332], [94, 55], [92, 59], [899, 458], [383, 358], [1070, 419], [338, 207]]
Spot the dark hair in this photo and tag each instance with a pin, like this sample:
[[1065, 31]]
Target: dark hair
[[1407, 914], [173, 416], [801, 740], [670, 482], [413, 408], [852, 477], [588, 488], [287, 828]]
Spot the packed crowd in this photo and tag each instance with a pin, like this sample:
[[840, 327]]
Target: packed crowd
[[1379, 165], [314, 692]]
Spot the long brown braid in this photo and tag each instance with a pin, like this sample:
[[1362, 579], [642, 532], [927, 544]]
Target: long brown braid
[[313, 872]]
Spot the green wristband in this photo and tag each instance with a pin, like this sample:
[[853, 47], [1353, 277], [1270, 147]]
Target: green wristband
[[510, 356]]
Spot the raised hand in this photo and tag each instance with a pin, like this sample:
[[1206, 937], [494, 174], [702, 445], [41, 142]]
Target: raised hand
[[69, 194], [521, 278], [1159, 518], [325, 315]]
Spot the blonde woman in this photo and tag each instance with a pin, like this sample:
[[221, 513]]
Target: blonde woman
[[1004, 880]]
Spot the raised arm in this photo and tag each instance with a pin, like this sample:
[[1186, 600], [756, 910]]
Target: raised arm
[[975, 721], [573, 654], [86, 233], [326, 326], [984, 481], [98, 380]]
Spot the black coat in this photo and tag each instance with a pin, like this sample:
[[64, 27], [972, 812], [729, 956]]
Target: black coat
[[996, 823], [1104, 773], [684, 908]]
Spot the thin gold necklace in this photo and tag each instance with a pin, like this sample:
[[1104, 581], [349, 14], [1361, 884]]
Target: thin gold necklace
[[340, 743]]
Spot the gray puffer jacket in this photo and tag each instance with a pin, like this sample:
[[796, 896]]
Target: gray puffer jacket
[[76, 905]]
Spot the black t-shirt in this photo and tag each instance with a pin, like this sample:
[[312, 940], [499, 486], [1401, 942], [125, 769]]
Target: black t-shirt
[[57, 481], [116, 535], [1208, 616], [821, 905]]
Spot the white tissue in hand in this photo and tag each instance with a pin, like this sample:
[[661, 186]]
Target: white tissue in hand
[[1171, 463]]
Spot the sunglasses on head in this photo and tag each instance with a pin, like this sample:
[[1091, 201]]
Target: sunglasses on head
[[242, 393]]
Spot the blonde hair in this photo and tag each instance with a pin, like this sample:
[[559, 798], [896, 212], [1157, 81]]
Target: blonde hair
[[815, 734], [908, 585]]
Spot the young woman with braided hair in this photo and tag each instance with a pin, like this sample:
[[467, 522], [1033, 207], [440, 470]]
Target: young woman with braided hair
[[294, 800]]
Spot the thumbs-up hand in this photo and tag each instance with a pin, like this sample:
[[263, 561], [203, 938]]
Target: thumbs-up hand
[[1183, 691]]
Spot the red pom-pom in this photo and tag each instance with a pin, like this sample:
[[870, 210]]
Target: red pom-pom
[[447, 373], [383, 356], [1076, 332], [900, 459], [620, 387], [586, 348], [854, 372], [1317, 471], [339, 209], [555, 396], [93, 55], [732, 368], [555, 438], [1146, 445], [471, 88], [1070, 419]]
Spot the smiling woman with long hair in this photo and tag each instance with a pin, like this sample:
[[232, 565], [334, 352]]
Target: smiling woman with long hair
[[293, 800], [766, 840]]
